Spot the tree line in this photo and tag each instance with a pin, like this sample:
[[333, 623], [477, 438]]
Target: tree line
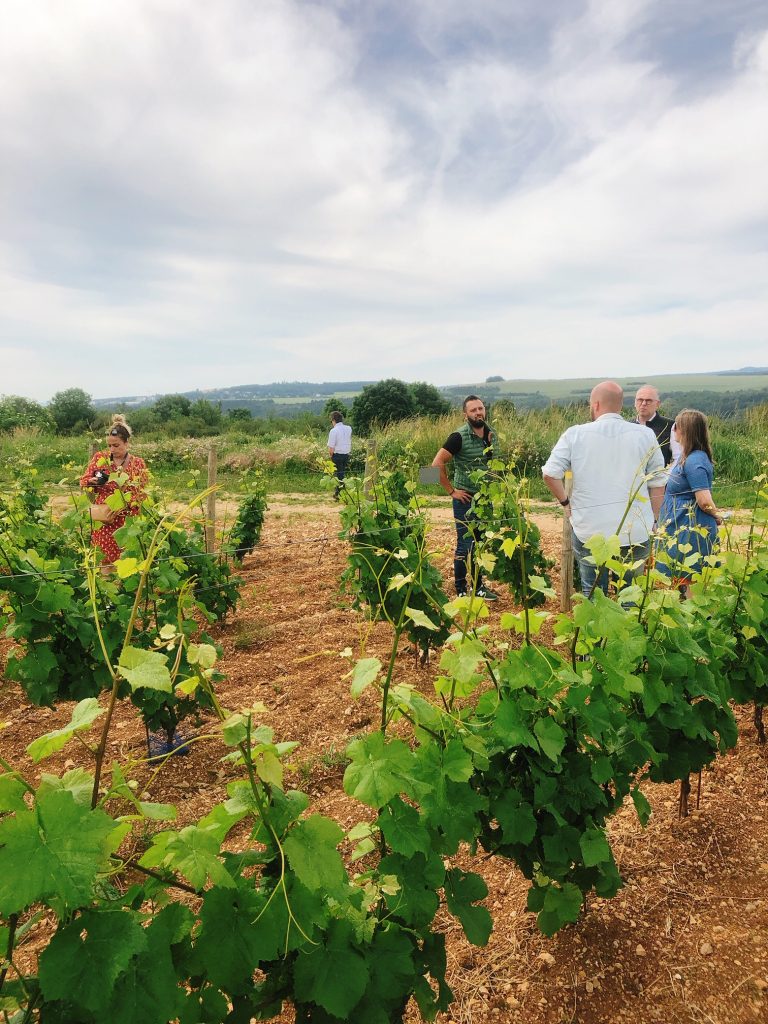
[[377, 405], [72, 411]]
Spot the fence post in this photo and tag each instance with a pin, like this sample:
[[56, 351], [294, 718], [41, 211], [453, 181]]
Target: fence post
[[566, 554], [210, 515], [370, 465], [93, 447]]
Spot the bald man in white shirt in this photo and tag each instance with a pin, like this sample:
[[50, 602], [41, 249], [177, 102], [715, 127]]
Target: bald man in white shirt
[[618, 482]]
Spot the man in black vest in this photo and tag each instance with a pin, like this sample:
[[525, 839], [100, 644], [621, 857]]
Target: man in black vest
[[647, 403]]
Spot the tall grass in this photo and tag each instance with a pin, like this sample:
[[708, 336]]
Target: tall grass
[[291, 459], [739, 446], [528, 437]]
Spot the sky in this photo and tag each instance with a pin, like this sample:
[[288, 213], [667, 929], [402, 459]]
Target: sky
[[198, 194]]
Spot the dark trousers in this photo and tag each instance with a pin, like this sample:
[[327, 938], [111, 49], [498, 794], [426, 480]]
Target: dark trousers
[[340, 462], [464, 517]]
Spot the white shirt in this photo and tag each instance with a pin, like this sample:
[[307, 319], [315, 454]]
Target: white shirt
[[340, 439], [677, 448], [610, 460]]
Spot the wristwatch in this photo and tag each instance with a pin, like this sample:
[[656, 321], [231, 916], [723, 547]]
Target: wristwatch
[[566, 502]]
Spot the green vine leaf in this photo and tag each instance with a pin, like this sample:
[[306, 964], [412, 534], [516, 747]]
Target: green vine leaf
[[239, 928], [83, 717], [127, 567], [193, 852], [311, 851], [419, 618], [149, 990], [77, 781], [364, 673], [462, 892], [642, 806], [557, 905], [402, 828], [147, 669], [11, 794], [54, 852], [379, 770], [333, 975], [550, 736], [594, 847], [516, 817], [86, 957], [203, 655]]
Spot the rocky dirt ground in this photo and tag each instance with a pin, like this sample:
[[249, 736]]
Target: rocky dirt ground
[[684, 942]]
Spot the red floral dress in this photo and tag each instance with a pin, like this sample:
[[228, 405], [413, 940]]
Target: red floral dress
[[136, 471]]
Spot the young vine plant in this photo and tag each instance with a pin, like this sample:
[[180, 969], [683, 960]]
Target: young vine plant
[[524, 751]]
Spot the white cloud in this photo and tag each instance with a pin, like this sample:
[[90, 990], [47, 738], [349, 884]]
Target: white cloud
[[247, 180]]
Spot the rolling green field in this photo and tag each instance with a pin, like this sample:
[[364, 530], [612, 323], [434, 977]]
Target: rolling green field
[[346, 396], [666, 383], [577, 389], [724, 394]]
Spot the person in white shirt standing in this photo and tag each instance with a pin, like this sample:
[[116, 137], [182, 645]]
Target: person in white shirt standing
[[339, 447], [618, 482]]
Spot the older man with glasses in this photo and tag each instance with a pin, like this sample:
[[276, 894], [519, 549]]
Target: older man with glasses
[[647, 404]]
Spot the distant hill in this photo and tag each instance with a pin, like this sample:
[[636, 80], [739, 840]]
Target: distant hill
[[722, 391], [282, 398], [297, 390]]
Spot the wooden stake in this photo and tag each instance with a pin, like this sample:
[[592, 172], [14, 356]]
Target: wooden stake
[[685, 792], [370, 466], [210, 515], [758, 720], [566, 554]]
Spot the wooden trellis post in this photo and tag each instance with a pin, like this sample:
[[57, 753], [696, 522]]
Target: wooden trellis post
[[370, 465], [566, 554], [210, 515]]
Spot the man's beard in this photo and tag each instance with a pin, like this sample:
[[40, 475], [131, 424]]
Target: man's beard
[[476, 423]]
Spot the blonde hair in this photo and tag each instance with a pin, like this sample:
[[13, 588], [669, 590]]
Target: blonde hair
[[120, 427]]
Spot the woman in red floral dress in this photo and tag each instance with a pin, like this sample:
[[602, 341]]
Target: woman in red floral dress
[[130, 478]]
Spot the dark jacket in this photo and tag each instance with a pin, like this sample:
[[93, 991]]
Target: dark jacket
[[662, 427]]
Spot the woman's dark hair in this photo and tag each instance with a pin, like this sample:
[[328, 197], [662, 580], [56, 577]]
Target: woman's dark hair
[[693, 433], [120, 428]]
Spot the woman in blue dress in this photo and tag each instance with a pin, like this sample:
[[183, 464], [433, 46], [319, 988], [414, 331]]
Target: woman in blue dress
[[689, 517]]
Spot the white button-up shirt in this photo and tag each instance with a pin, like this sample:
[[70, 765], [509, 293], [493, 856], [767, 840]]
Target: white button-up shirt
[[340, 439], [611, 461]]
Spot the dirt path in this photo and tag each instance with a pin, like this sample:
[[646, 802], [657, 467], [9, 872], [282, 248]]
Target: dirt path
[[684, 942]]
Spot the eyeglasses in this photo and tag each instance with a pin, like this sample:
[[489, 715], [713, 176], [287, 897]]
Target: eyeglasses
[[114, 432], [644, 401]]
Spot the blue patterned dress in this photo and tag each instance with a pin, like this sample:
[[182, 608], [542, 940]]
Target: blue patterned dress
[[682, 522]]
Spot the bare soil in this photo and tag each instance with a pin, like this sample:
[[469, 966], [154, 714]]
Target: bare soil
[[684, 942]]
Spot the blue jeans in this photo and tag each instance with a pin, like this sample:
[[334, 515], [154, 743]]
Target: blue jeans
[[340, 462], [464, 517], [588, 570]]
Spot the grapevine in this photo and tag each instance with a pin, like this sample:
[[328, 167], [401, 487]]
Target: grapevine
[[389, 571], [525, 752]]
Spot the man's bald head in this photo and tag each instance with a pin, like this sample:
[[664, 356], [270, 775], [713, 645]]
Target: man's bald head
[[606, 397]]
